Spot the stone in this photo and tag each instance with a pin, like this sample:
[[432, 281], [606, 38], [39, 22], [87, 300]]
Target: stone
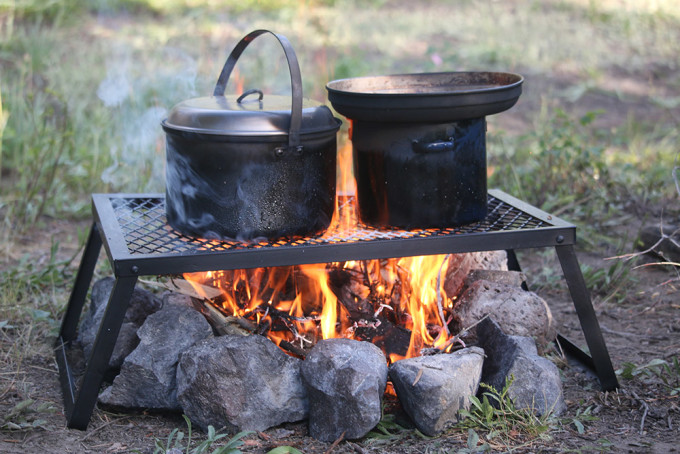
[[536, 381], [345, 381], [665, 241], [512, 278], [518, 312], [432, 389], [460, 265], [147, 377], [243, 383], [142, 304]]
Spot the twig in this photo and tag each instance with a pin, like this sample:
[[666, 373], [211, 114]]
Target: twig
[[225, 324], [418, 375], [662, 238], [292, 348], [94, 431], [657, 263], [624, 334], [457, 337], [644, 414], [336, 443], [439, 296]]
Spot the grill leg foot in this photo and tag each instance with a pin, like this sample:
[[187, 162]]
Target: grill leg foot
[[586, 314]]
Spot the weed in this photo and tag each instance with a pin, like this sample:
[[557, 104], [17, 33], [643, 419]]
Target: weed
[[495, 413], [561, 168], [655, 371], [31, 276], [26, 415], [610, 281], [389, 431], [173, 444], [284, 450], [569, 168], [472, 445], [581, 416]]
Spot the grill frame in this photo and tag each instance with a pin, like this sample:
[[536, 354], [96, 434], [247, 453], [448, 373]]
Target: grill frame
[[526, 227], [139, 241]]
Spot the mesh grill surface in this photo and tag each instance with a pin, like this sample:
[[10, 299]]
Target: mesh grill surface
[[145, 230]]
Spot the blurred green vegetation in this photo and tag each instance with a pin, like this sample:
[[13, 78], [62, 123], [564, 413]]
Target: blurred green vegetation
[[84, 85]]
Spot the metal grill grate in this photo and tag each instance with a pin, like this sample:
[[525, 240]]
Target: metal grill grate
[[145, 230]]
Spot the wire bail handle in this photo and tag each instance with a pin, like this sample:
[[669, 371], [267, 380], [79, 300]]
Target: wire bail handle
[[295, 80]]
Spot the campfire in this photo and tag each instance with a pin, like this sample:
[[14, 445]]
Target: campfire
[[398, 304], [398, 252]]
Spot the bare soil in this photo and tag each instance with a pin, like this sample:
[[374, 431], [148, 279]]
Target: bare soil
[[641, 326]]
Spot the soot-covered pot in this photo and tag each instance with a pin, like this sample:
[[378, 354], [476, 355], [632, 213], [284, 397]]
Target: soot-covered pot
[[251, 166], [419, 143]]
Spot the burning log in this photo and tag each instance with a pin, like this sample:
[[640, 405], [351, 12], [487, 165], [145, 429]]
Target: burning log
[[398, 304], [223, 324]]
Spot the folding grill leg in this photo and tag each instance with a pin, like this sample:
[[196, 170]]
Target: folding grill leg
[[85, 399], [69, 324], [586, 314]]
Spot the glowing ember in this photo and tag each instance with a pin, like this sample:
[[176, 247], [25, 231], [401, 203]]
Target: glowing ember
[[399, 304]]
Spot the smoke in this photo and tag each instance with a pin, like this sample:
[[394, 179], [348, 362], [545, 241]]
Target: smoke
[[141, 85], [116, 87]]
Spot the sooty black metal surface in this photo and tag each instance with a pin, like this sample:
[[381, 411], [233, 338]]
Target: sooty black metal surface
[[138, 241]]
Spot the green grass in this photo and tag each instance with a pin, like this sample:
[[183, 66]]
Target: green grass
[[495, 415], [213, 443], [657, 372]]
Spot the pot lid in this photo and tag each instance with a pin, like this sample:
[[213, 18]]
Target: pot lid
[[251, 114]]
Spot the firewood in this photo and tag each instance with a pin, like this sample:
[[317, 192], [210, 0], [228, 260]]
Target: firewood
[[224, 324], [292, 348]]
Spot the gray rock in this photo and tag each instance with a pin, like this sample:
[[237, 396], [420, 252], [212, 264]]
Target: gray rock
[[536, 380], [345, 381], [142, 304], [147, 376], [432, 389], [125, 344], [460, 265], [518, 312], [512, 278], [245, 383], [665, 241]]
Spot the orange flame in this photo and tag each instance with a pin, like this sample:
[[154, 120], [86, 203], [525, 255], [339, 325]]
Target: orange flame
[[299, 304]]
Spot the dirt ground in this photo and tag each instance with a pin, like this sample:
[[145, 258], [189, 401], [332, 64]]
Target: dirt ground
[[639, 417]]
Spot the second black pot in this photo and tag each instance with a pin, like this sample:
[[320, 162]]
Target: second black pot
[[420, 175]]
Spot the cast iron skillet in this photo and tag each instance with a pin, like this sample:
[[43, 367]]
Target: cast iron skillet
[[425, 97]]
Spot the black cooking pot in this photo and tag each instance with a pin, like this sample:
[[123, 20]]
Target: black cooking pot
[[420, 175], [419, 144], [253, 166]]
